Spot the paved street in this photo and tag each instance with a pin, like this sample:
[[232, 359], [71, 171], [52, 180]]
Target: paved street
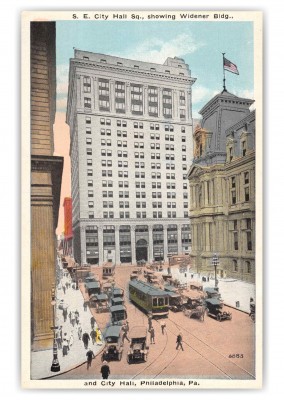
[[212, 349]]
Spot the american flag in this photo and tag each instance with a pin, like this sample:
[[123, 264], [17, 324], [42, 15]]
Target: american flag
[[229, 66]]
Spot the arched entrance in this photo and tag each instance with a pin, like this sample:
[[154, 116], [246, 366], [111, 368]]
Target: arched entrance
[[141, 250]]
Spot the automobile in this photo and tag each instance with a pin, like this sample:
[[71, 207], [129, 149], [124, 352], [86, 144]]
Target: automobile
[[102, 304], [118, 314], [215, 309], [114, 343], [212, 293], [117, 301], [139, 347]]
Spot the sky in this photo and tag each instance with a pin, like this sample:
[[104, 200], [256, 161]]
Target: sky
[[200, 44]]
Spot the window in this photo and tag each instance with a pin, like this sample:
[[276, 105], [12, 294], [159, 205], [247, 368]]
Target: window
[[183, 138], [184, 185], [233, 182], [87, 102], [233, 194], [91, 204], [90, 193], [235, 266], [87, 84], [89, 151], [88, 140], [90, 183], [90, 172], [89, 161], [183, 148], [244, 148], [157, 127], [248, 267], [246, 178], [248, 223], [102, 121], [249, 242], [246, 193], [236, 242], [182, 114], [104, 104]]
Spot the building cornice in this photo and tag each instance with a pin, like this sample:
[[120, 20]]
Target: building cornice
[[131, 72]]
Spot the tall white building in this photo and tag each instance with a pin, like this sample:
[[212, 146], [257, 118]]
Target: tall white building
[[131, 147]]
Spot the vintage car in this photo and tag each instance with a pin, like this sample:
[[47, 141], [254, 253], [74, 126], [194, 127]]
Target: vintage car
[[117, 292], [93, 288], [118, 314], [138, 351], [102, 304], [133, 276], [175, 301], [117, 301], [195, 285], [114, 343], [211, 293], [215, 309]]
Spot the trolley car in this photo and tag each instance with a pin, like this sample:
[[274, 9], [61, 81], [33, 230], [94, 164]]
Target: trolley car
[[149, 298]]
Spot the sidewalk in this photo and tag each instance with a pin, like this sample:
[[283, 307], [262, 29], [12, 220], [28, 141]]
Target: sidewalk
[[232, 291], [41, 360]]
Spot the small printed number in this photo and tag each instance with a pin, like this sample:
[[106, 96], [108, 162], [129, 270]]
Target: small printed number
[[236, 356]]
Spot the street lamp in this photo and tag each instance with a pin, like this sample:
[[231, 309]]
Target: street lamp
[[215, 262], [55, 367]]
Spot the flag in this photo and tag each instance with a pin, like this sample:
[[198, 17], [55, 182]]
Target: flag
[[229, 66]]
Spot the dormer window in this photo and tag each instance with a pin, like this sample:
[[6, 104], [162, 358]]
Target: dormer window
[[244, 148]]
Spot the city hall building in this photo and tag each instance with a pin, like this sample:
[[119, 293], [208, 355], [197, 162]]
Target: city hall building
[[131, 147], [222, 189]]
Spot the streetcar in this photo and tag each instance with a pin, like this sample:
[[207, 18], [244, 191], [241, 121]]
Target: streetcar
[[149, 298]]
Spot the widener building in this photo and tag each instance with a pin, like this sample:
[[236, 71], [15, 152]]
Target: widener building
[[222, 188], [131, 146]]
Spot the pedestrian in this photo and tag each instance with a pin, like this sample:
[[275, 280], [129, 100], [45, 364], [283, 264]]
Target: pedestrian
[[98, 337], [65, 345], [179, 341], [124, 336], [105, 371], [71, 339], [90, 355], [77, 315], [150, 324], [64, 312], [127, 326], [79, 331], [92, 322], [58, 339], [163, 326], [86, 339], [152, 335], [64, 288], [72, 318], [85, 306], [93, 335]]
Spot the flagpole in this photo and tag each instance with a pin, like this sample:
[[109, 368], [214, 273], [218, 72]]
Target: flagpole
[[224, 78]]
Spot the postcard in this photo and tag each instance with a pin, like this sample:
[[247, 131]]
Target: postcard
[[142, 199]]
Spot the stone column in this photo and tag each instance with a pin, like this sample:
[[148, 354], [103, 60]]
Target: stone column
[[96, 94], [188, 104], [179, 239], [83, 245], [160, 102], [150, 247], [146, 102], [133, 245], [175, 104], [111, 96], [101, 245], [79, 92], [117, 246], [128, 98], [165, 242]]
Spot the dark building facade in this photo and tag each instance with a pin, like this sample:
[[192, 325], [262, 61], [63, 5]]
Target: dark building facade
[[46, 173]]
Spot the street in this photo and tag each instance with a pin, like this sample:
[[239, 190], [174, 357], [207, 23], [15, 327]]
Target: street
[[212, 349]]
